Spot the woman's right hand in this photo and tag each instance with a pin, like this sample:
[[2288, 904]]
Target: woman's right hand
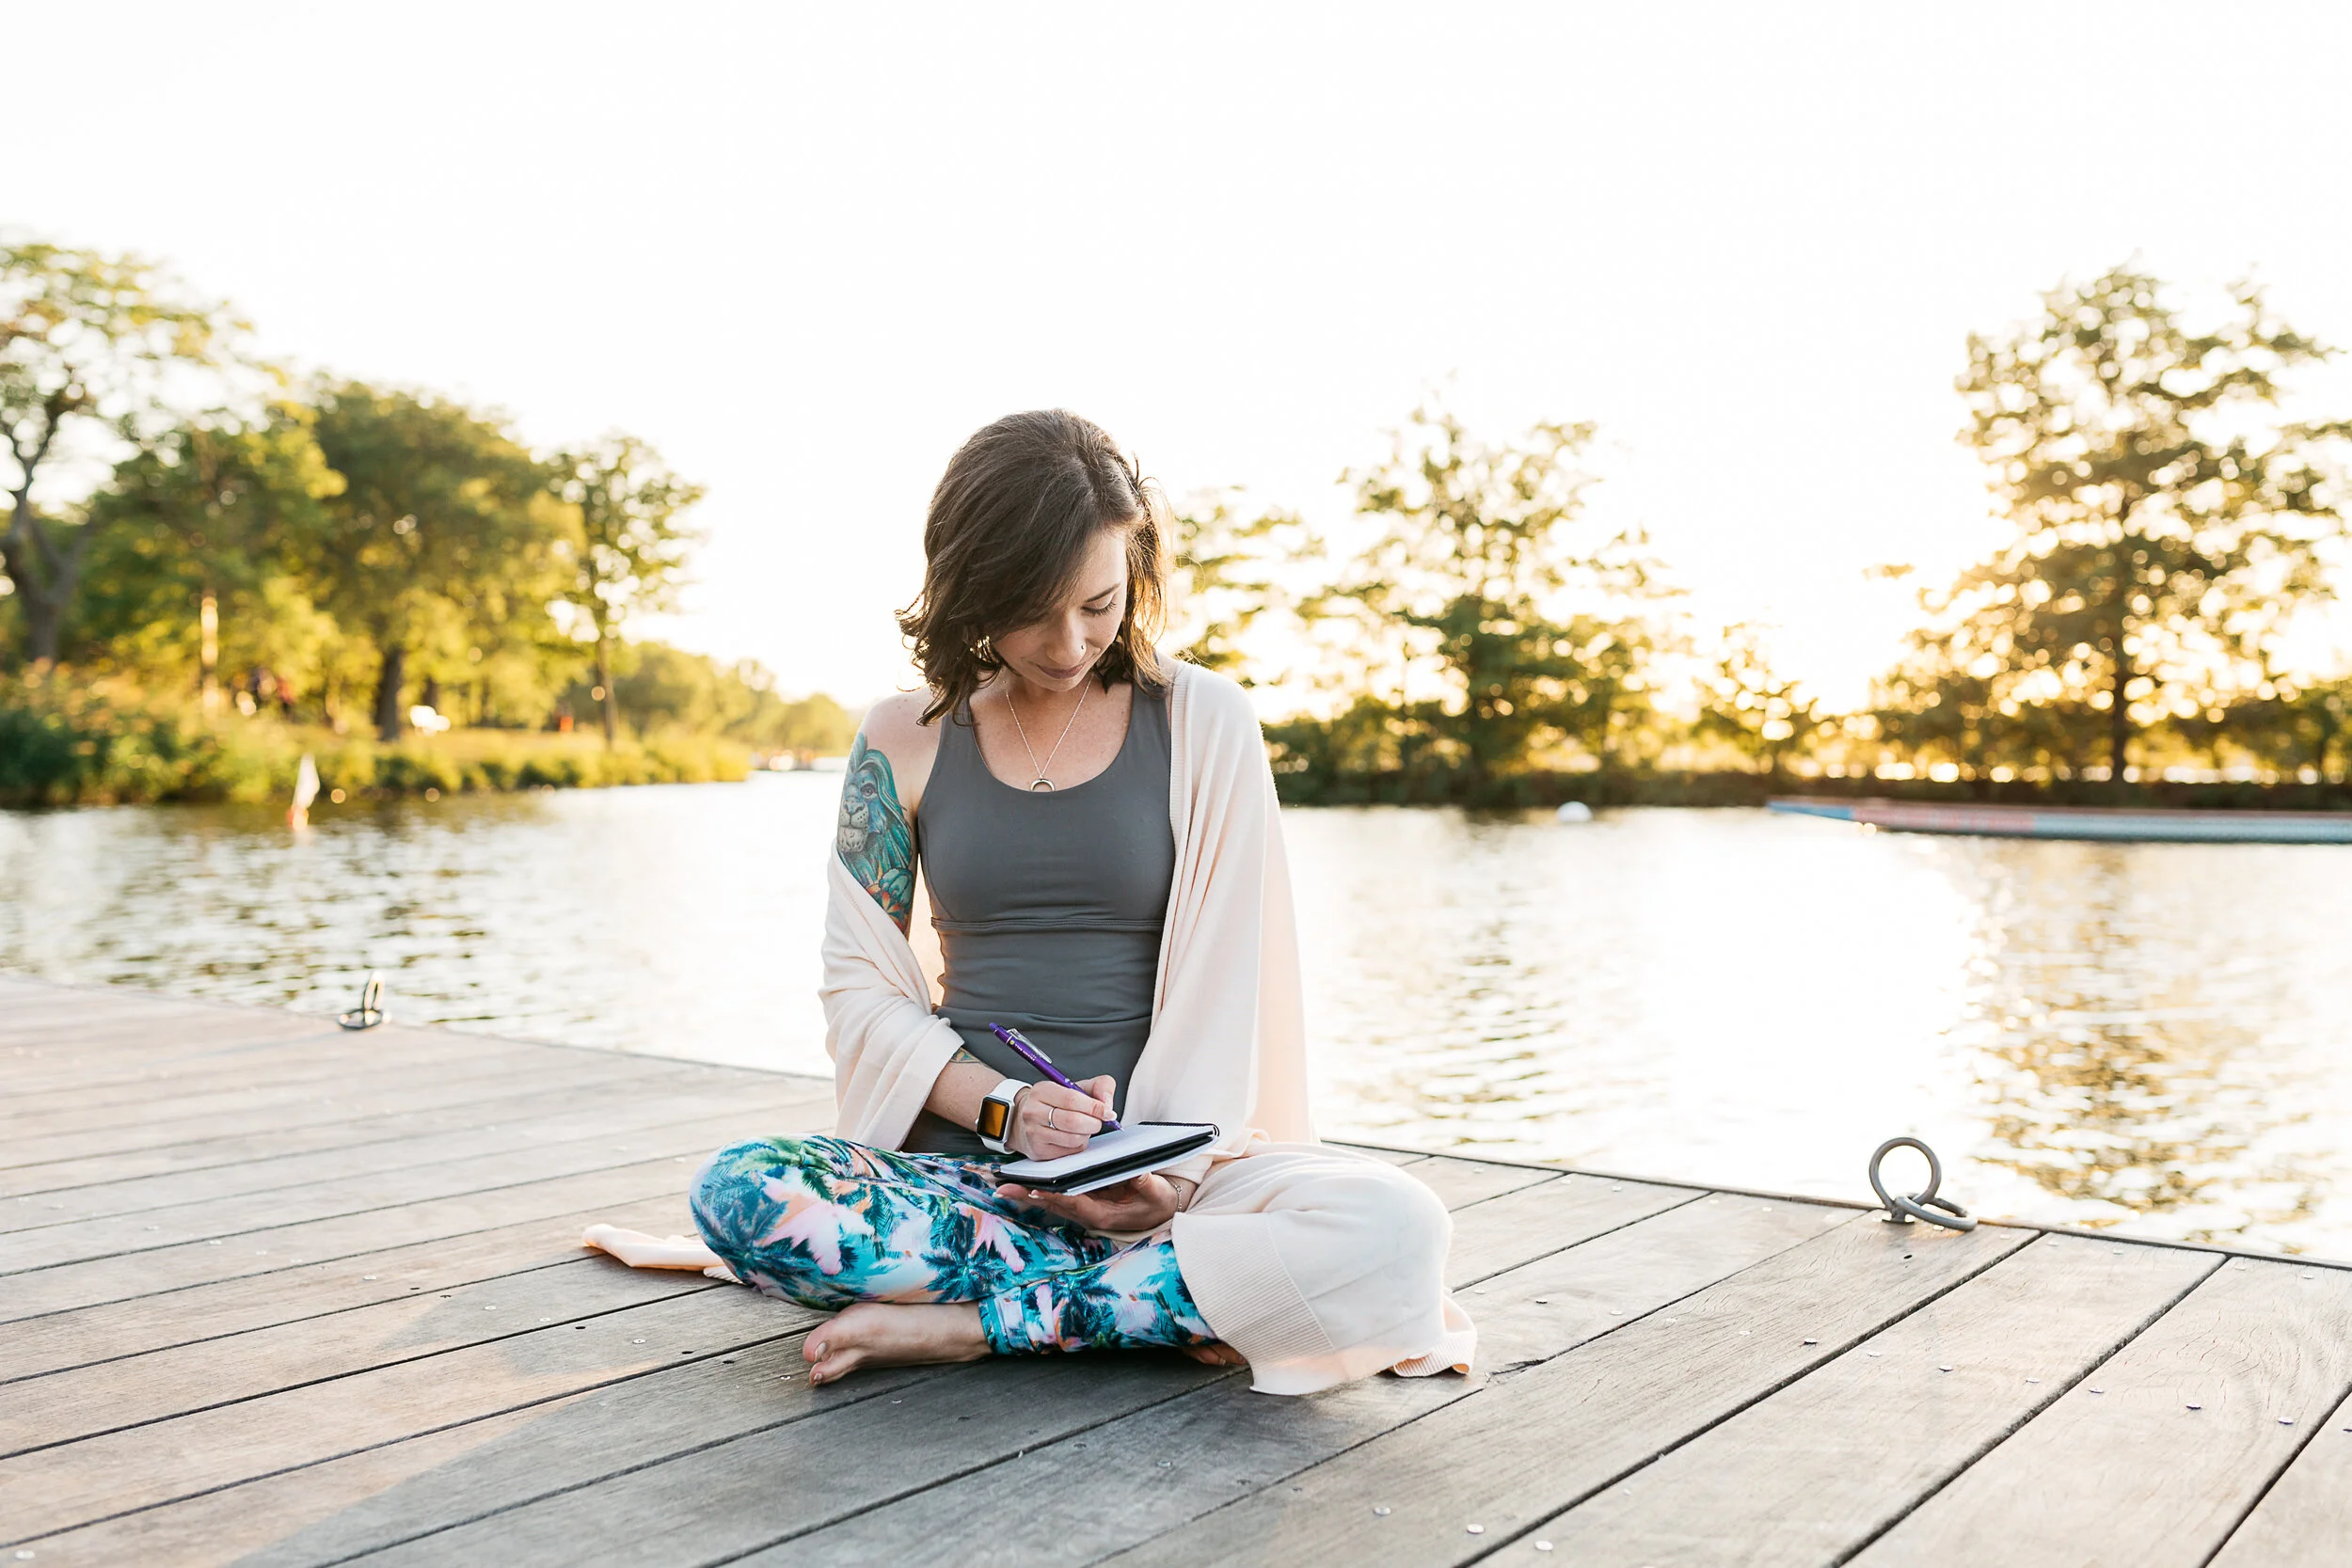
[[1049, 1121]]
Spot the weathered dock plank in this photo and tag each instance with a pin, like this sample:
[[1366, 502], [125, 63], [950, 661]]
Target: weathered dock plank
[[1819, 1469], [53, 1488], [95, 1167], [312, 1058], [234, 1216], [111, 1396], [1537, 1442], [534, 1123], [2188, 1426], [1465, 1182], [377, 1099], [857, 1455], [1224, 1441], [241, 1325], [570, 1447], [261, 1252], [2305, 1519], [181, 1104], [142, 1324], [138, 1057]]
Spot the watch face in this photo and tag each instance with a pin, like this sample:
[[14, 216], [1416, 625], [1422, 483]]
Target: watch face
[[993, 1119]]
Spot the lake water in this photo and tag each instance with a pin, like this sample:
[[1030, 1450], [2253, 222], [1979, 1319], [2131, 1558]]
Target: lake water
[[2155, 1036]]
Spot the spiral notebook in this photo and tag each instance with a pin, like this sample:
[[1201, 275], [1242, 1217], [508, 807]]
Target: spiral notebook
[[1138, 1147]]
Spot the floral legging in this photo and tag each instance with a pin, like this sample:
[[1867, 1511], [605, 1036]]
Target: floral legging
[[825, 1222]]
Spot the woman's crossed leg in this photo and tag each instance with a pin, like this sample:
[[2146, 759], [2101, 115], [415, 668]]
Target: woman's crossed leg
[[926, 1263]]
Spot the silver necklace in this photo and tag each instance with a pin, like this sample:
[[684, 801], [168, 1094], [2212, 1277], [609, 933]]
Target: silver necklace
[[1042, 784]]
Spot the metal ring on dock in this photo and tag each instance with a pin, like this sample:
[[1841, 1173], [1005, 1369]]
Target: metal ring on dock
[[1920, 1204], [371, 1009]]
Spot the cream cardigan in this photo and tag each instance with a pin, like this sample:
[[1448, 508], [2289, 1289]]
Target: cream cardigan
[[1310, 1302]]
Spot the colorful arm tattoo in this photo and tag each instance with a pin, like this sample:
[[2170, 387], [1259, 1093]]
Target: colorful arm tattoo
[[874, 838]]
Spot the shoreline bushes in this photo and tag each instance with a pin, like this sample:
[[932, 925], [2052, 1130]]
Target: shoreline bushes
[[65, 741]]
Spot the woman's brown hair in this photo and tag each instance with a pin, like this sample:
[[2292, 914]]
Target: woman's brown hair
[[1012, 516]]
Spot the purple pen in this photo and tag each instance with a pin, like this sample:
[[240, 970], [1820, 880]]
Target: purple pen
[[1044, 1063]]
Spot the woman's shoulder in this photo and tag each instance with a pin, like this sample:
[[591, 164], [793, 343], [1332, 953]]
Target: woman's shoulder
[[896, 723], [894, 727]]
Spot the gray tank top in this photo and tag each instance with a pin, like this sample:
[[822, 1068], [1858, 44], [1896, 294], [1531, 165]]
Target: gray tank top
[[1048, 906]]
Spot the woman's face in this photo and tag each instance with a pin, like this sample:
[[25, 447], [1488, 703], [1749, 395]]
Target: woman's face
[[1058, 650]]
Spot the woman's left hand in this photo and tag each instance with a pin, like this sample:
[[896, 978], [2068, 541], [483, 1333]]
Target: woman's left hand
[[1139, 1203]]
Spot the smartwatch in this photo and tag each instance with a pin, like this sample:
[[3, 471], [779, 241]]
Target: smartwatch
[[996, 1114]]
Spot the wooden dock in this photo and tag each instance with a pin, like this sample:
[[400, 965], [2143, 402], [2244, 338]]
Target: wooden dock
[[272, 1293]]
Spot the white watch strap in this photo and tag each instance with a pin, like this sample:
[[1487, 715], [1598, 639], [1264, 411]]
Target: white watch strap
[[1007, 1091]]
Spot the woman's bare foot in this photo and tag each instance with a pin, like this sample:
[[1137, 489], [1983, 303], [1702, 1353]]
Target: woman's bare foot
[[893, 1334], [1217, 1352]]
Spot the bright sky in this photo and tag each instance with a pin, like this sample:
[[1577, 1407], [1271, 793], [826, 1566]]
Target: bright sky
[[805, 254]]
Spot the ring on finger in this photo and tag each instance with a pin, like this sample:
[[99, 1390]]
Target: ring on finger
[[1049, 1119]]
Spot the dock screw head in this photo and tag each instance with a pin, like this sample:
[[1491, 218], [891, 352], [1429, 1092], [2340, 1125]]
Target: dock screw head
[[1381, 1511], [1475, 1529]]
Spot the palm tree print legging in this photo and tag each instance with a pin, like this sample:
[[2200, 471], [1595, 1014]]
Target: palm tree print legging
[[825, 1222]]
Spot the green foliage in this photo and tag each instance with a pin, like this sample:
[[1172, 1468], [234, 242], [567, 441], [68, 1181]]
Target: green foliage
[[629, 509], [66, 741], [91, 345], [2164, 529], [1225, 579], [213, 510], [659, 690], [2295, 728], [1480, 544], [1763, 715], [444, 536]]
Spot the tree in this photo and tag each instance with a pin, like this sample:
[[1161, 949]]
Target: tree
[[633, 543], [1764, 715], [444, 534], [216, 515], [665, 688], [1225, 580], [2162, 533], [1479, 543], [2282, 723], [94, 347]]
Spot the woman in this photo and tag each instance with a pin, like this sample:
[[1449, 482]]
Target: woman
[[1103, 868]]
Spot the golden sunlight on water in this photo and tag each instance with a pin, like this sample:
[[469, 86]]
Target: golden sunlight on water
[[2157, 1036]]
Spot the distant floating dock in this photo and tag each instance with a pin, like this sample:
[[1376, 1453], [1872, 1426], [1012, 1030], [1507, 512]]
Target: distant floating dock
[[275, 1294], [2119, 824]]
